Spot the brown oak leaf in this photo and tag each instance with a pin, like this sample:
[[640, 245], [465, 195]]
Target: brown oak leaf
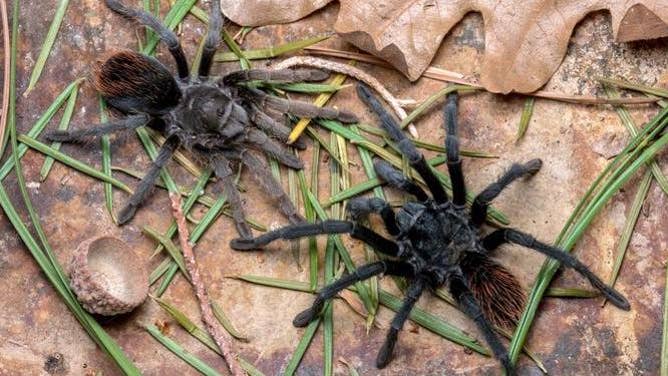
[[525, 40], [267, 12]]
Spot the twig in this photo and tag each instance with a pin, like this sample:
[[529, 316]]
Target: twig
[[458, 78], [5, 82], [352, 72], [219, 336]]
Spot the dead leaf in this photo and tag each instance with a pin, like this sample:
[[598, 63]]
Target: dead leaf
[[525, 40], [267, 12]]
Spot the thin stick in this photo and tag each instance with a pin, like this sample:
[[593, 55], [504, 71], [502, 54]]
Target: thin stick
[[357, 73], [5, 81], [440, 74], [219, 336]]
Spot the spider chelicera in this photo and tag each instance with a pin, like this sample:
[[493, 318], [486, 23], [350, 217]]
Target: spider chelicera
[[219, 120], [437, 241]]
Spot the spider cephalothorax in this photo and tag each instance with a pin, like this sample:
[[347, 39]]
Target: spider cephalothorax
[[437, 241], [217, 119]]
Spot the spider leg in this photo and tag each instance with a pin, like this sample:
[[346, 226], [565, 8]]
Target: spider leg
[[82, 135], [302, 230], [264, 177], [396, 179], [221, 167], [509, 235], [276, 75], [212, 39], [415, 159], [271, 147], [452, 150], [412, 295], [166, 35], [300, 108], [398, 268], [145, 185], [361, 207], [464, 297], [273, 127], [482, 200]]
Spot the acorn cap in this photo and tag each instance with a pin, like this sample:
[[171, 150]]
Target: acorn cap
[[107, 277]]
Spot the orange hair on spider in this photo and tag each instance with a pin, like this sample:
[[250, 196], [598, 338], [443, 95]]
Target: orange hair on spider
[[134, 82], [498, 292]]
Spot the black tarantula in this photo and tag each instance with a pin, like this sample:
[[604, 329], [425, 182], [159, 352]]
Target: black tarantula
[[436, 241], [216, 119]]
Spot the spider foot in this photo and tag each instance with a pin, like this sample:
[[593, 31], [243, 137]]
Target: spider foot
[[385, 354], [126, 214], [308, 315], [243, 244], [510, 369], [533, 166]]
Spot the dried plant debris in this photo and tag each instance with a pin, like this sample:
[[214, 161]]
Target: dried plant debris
[[525, 41]]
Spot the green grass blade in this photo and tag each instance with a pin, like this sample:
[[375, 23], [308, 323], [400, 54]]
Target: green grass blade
[[564, 292], [171, 248], [47, 45], [277, 283], [226, 322], [270, 52], [429, 102], [106, 163], [40, 124], [10, 117], [527, 112], [74, 163], [631, 220], [177, 350], [637, 87], [303, 344], [172, 19], [640, 156], [627, 120], [197, 232], [63, 125]]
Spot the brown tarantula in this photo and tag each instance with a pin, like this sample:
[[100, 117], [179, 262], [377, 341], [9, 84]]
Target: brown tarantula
[[217, 119], [436, 241]]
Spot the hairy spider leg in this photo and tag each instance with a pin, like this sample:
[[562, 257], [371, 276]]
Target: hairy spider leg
[[299, 108], [116, 125], [396, 178], [287, 75], [510, 235], [221, 167], [452, 151], [467, 302], [359, 208], [145, 185], [482, 200], [415, 158], [413, 293], [272, 127], [389, 267], [212, 39], [167, 36], [284, 155], [301, 230], [264, 177]]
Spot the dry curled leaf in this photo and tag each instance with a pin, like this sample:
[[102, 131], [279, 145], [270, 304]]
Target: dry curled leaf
[[266, 12], [525, 40]]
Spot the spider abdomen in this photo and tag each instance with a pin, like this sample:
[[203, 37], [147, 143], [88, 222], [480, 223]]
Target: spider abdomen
[[132, 82], [497, 290]]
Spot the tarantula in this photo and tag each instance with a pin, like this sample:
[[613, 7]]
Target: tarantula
[[436, 241], [216, 119]]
